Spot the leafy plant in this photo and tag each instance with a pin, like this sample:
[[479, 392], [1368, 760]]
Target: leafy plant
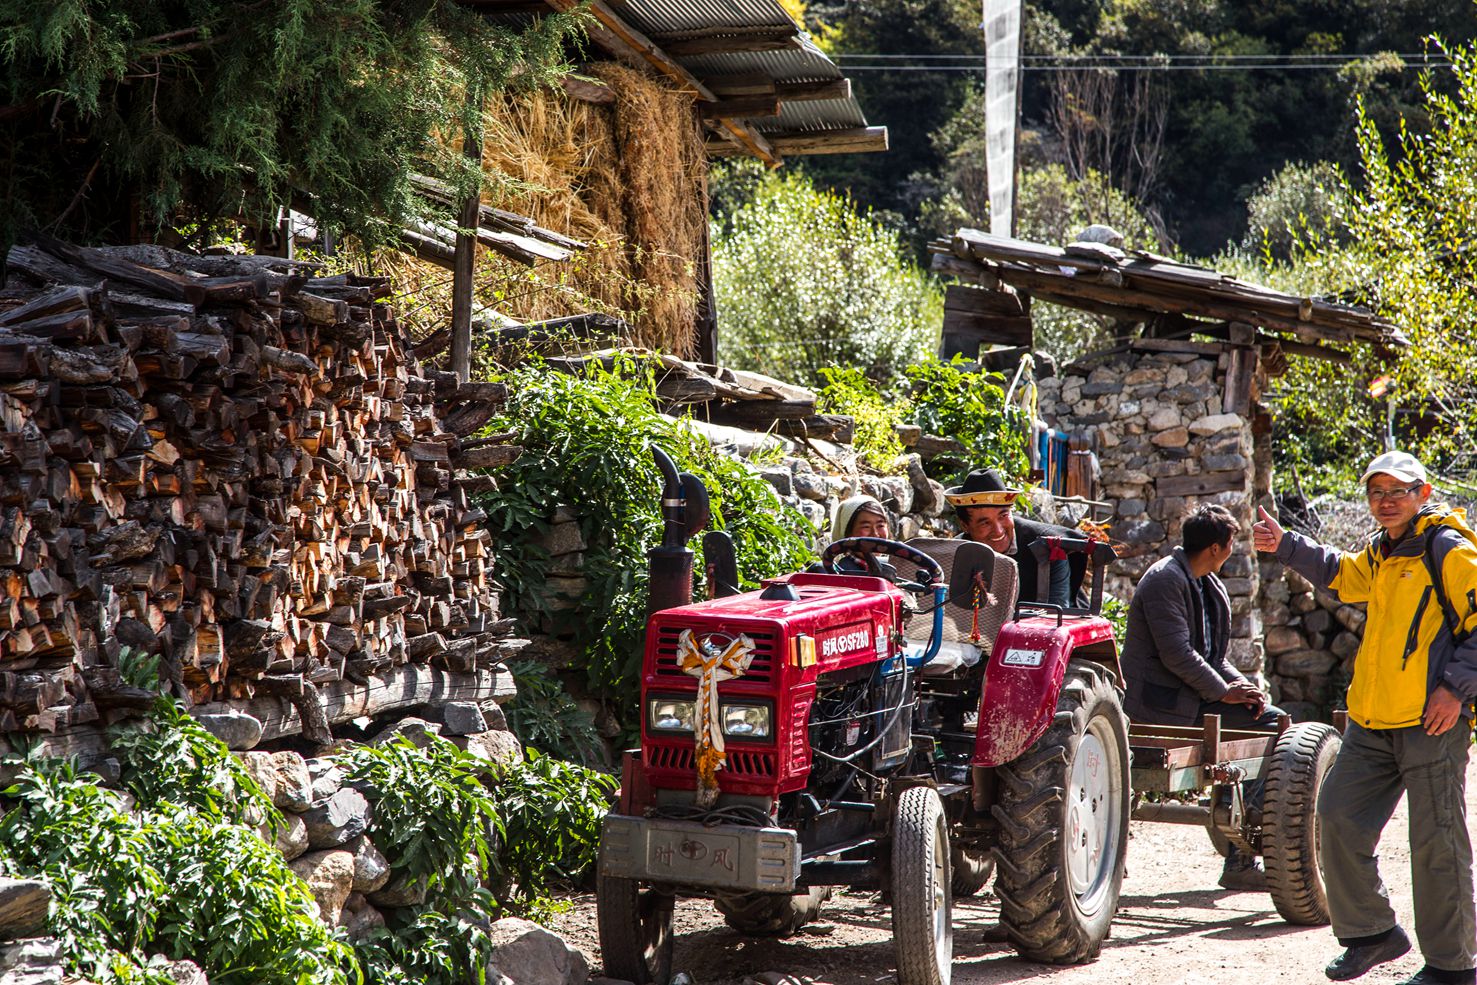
[[248, 104], [171, 759], [587, 443], [1115, 610], [543, 714], [551, 813], [849, 391], [433, 816], [179, 876], [955, 401]]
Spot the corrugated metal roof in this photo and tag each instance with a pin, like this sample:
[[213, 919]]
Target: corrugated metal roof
[[670, 16], [659, 19]]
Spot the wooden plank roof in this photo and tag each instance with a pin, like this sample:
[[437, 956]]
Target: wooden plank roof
[[1126, 284]]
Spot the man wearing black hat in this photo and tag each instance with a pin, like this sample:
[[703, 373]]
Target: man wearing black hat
[[983, 505]]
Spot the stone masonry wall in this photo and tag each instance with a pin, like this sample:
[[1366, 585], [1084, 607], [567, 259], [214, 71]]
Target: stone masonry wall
[[1161, 435]]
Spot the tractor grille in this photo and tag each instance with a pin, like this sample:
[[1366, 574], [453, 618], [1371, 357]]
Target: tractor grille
[[761, 668], [749, 765]]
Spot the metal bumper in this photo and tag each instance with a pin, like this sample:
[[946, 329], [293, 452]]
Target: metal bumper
[[723, 856]]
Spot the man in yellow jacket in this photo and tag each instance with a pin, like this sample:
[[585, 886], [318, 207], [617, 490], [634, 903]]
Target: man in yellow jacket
[[1409, 702]]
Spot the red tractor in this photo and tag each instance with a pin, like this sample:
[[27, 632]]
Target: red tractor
[[795, 738]]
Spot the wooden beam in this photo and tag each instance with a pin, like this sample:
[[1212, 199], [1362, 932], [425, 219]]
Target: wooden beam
[[858, 140], [588, 90], [795, 92], [723, 40], [611, 32], [741, 107]]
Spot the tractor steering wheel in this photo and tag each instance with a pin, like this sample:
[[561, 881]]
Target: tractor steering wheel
[[866, 548]]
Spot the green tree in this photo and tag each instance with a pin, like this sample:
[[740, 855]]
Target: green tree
[[805, 280], [119, 115]]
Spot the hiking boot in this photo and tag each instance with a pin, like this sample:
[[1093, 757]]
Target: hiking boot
[[1436, 976], [1244, 874], [1359, 958]]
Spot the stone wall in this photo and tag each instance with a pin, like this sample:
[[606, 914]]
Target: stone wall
[[1165, 445]]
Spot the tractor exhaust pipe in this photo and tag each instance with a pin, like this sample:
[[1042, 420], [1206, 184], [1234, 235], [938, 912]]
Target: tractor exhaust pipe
[[684, 513]]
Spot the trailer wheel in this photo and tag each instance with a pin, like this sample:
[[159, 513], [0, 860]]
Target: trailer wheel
[[922, 907], [635, 928], [772, 915], [971, 872], [1063, 813], [1296, 767]]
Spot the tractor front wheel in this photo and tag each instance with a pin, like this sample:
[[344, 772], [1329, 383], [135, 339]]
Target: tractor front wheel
[[1063, 810], [635, 928], [922, 907]]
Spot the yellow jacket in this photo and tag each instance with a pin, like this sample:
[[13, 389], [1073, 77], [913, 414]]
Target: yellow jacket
[[1407, 648]]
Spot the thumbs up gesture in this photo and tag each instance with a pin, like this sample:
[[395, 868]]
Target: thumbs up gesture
[[1266, 533]]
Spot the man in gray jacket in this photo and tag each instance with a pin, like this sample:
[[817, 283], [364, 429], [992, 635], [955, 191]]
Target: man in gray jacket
[[1174, 653]]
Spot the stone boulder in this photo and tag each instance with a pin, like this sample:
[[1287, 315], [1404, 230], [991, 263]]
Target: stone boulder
[[259, 767], [185, 973], [528, 954], [337, 820], [294, 788], [292, 838], [37, 961], [417, 731], [462, 718], [23, 906], [326, 778], [401, 891], [329, 876], [359, 919], [502, 748], [371, 869], [236, 729]]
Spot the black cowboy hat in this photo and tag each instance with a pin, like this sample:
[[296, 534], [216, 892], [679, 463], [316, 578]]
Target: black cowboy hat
[[982, 487]]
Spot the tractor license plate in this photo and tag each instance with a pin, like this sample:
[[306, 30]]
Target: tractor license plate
[[728, 856]]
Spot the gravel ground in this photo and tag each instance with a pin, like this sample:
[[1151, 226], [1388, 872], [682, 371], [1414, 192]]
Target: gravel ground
[[1174, 927]]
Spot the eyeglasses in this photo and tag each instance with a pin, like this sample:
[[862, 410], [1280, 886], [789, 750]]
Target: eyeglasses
[[1393, 495]]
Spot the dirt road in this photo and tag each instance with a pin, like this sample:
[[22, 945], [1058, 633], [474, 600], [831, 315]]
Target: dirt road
[[1174, 927]]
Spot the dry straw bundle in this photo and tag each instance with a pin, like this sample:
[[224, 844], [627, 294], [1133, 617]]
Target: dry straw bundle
[[627, 178]]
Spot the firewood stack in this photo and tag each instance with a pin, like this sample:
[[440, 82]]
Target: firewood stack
[[233, 464]]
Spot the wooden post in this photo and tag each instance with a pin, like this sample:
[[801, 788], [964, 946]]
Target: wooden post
[[707, 314], [1210, 742], [466, 247]]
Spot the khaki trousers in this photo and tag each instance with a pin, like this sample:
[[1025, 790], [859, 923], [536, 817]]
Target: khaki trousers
[[1374, 767]]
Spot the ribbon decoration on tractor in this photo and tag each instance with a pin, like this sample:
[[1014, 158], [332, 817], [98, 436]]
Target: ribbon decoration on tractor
[[711, 665]]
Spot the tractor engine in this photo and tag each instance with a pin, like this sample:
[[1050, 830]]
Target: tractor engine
[[801, 683]]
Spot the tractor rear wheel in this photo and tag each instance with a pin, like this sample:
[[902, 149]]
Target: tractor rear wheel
[[771, 915], [922, 908], [971, 871], [1063, 813], [635, 928], [1296, 767]]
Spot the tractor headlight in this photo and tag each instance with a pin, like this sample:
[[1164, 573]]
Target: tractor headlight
[[670, 714], [746, 721]]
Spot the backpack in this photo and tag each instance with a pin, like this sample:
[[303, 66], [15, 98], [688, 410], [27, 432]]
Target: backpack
[[1433, 568]]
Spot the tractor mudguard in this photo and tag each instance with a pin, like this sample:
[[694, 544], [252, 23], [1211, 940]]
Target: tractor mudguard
[[1024, 679]]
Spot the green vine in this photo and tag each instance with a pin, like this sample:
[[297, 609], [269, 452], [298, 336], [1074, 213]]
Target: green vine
[[954, 400], [875, 418]]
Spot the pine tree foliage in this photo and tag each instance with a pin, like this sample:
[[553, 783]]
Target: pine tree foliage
[[133, 112]]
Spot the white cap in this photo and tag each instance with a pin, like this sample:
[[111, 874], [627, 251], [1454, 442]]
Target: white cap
[[1402, 465]]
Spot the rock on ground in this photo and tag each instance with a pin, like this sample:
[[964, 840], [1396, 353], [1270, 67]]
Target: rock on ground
[[371, 869], [528, 954], [493, 747]]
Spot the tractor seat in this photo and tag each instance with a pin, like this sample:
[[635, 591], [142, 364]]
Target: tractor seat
[[958, 650]]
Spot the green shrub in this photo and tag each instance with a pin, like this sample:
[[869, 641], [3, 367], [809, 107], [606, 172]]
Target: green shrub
[[587, 444], [551, 812], [181, 877], [804, 280], [950, 400], [544, 716], [849, 391]]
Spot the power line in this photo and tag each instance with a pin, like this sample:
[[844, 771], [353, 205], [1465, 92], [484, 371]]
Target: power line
[[1131, 68]]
